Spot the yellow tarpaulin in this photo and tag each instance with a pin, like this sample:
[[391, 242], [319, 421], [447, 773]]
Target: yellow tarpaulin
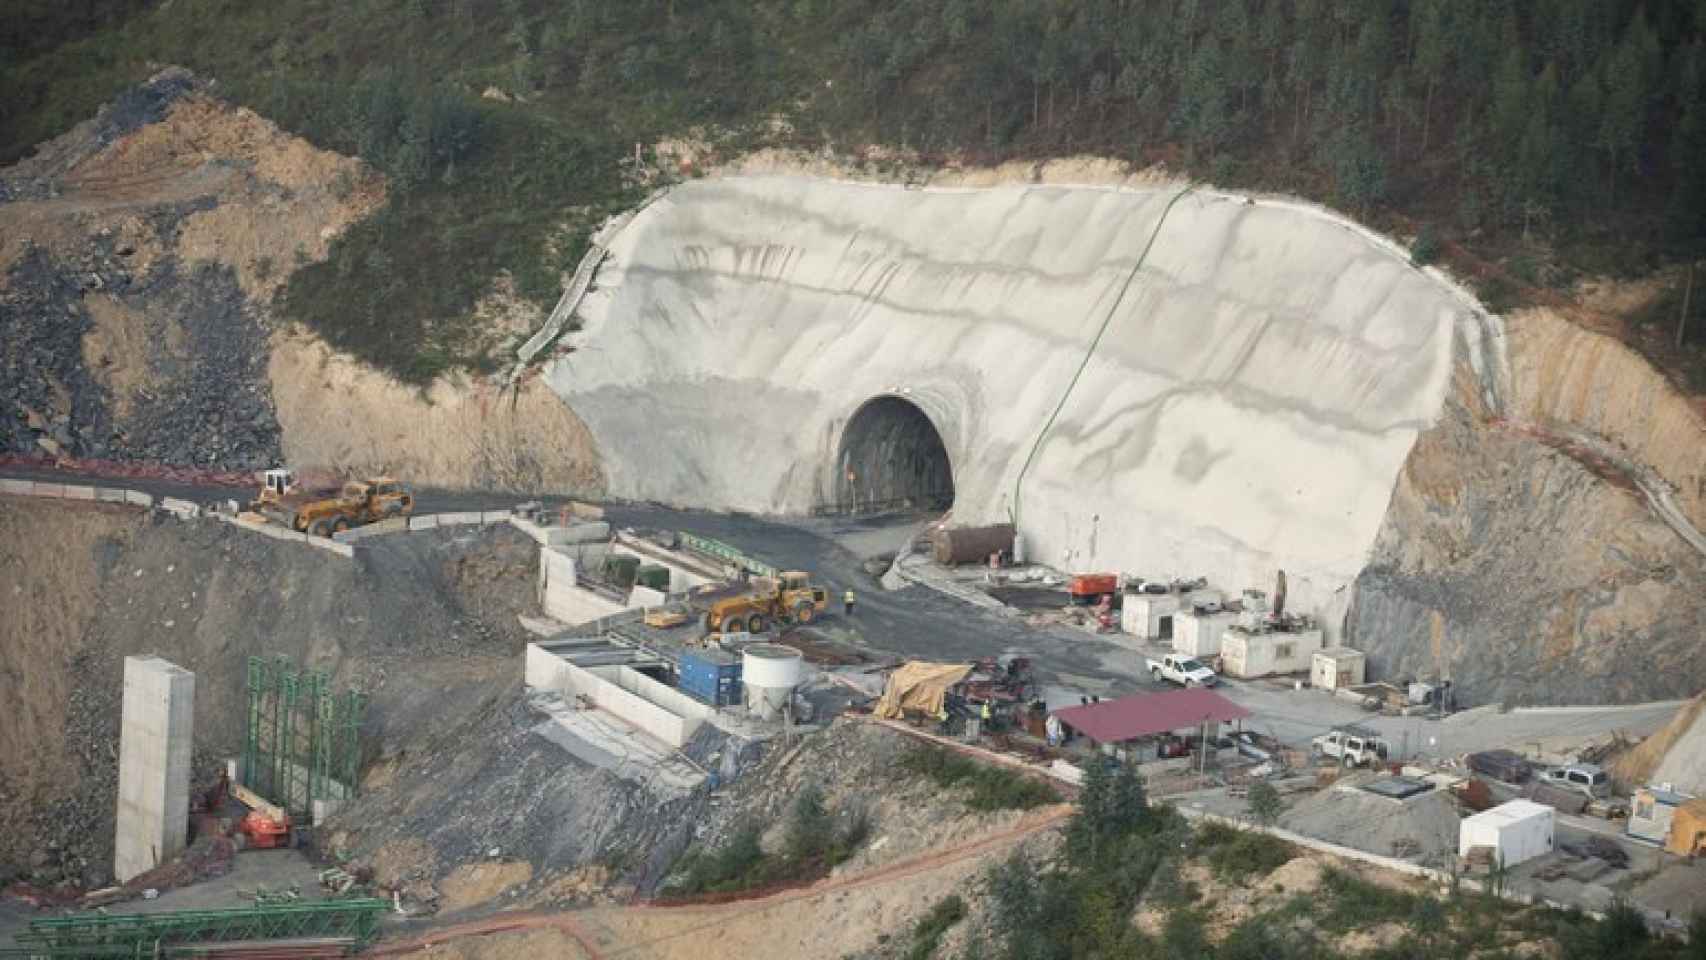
[[1688, 829], [919, 687]]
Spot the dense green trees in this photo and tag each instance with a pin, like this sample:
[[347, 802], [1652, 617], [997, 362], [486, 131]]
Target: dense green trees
[[1551, 110], [1569, 132]]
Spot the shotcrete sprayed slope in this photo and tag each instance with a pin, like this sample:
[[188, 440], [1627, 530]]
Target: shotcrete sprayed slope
[[1263, 371]]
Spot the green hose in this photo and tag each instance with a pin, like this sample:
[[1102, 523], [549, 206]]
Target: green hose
[[1019, 483]]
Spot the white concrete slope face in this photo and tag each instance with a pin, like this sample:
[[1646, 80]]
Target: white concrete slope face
[[1262, 376]]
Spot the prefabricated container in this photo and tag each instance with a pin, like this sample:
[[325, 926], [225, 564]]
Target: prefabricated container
[[1336, 668], [1516, 832], [1198, 632], [971, 544], [711, 676], [1148, 615]]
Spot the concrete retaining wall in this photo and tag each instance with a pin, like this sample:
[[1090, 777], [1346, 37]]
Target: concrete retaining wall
[[546, 671], [78, 491], [394, 525], [661, 694], [561, 599], [681, 578], [1259, 368], [574, 533]]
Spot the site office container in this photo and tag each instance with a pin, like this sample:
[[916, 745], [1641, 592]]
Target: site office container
[[711, 676], [1516, 831]]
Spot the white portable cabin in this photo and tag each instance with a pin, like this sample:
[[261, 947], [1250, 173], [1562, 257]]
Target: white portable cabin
[[1149, 616], [1198, 634], [1337, 667], [1247, 654], [1517, 831]]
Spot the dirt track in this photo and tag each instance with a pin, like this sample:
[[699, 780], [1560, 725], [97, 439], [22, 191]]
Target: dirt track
[[629, 931]]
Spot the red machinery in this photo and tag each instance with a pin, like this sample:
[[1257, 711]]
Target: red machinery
[[266, 826], [1090, 587]]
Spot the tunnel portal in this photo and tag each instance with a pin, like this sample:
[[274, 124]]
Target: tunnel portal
[[893, 458]]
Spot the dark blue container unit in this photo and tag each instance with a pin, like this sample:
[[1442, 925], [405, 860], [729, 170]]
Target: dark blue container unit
[[710, 675]]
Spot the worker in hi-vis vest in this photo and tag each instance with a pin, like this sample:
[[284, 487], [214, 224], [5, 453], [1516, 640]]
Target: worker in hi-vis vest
[[847, 600]]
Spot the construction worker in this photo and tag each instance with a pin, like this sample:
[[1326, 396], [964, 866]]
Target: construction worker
[[988, 717], [847, 601]]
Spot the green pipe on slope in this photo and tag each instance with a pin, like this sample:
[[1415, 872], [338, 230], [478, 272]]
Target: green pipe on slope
[[1018, 484]]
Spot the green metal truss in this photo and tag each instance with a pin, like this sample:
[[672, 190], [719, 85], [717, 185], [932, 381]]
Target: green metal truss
[[302, 739], [148, 935]]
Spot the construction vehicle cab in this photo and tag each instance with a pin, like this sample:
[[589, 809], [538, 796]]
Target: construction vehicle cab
[[276, 483]]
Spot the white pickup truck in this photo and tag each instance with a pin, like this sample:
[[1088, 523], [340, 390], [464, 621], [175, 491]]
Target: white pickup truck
[[1182, 670]]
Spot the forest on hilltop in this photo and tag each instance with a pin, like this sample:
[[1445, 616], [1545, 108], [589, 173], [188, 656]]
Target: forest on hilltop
[[1555, 138]]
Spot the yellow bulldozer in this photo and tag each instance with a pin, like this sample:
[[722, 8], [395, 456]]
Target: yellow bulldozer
[[790, 598], [321, 511]]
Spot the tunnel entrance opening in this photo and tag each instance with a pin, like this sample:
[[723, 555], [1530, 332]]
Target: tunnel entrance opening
[[893, 459]]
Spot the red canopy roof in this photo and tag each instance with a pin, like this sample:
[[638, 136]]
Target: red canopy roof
[[1143, 714]]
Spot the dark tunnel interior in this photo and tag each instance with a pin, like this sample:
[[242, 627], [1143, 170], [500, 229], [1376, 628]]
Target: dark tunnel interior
[[892, 457]]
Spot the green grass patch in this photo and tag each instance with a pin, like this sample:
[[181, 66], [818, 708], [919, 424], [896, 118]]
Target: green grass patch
[[1350, 902], [986, 786], [1238, 855], [928, 932], [817, 841]]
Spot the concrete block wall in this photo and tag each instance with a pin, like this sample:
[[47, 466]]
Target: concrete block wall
[[605, 690], [156, 737], [681, 579], [661, 694], [394, 525], [561, 599], [75, 491]]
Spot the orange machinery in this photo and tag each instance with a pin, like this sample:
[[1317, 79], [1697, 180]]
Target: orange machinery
[[266, 825], [1091, 587]]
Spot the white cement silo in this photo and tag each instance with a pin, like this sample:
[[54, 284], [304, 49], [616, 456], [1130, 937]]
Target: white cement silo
[[770, 672]]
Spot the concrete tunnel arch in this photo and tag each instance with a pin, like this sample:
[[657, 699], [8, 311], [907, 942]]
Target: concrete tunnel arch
[[892, 455]]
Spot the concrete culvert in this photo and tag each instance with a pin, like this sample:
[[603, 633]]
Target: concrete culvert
[[892, 456]]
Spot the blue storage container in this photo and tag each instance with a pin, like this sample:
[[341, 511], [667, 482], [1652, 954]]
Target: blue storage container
[[711, 676]]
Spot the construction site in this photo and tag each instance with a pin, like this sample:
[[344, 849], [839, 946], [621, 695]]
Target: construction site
[[1011, 492]]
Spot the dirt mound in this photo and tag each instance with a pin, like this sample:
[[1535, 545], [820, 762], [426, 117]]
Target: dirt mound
[[457, 433], [140, 254], [424, 623], [1635, 766]]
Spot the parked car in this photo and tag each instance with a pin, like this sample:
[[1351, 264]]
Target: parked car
[[1182, 670], [1503, 765], [1351, 746], [1584, 778]]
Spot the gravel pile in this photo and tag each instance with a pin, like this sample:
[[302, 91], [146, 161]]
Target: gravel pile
[[1421, 829]]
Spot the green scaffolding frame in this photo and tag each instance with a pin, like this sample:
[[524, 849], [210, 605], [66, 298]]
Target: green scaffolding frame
[[302, 738], [110, 937]]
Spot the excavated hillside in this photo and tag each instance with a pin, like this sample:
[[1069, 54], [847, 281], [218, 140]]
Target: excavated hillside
[[140, 255], [425, 624], [1542, 553]]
